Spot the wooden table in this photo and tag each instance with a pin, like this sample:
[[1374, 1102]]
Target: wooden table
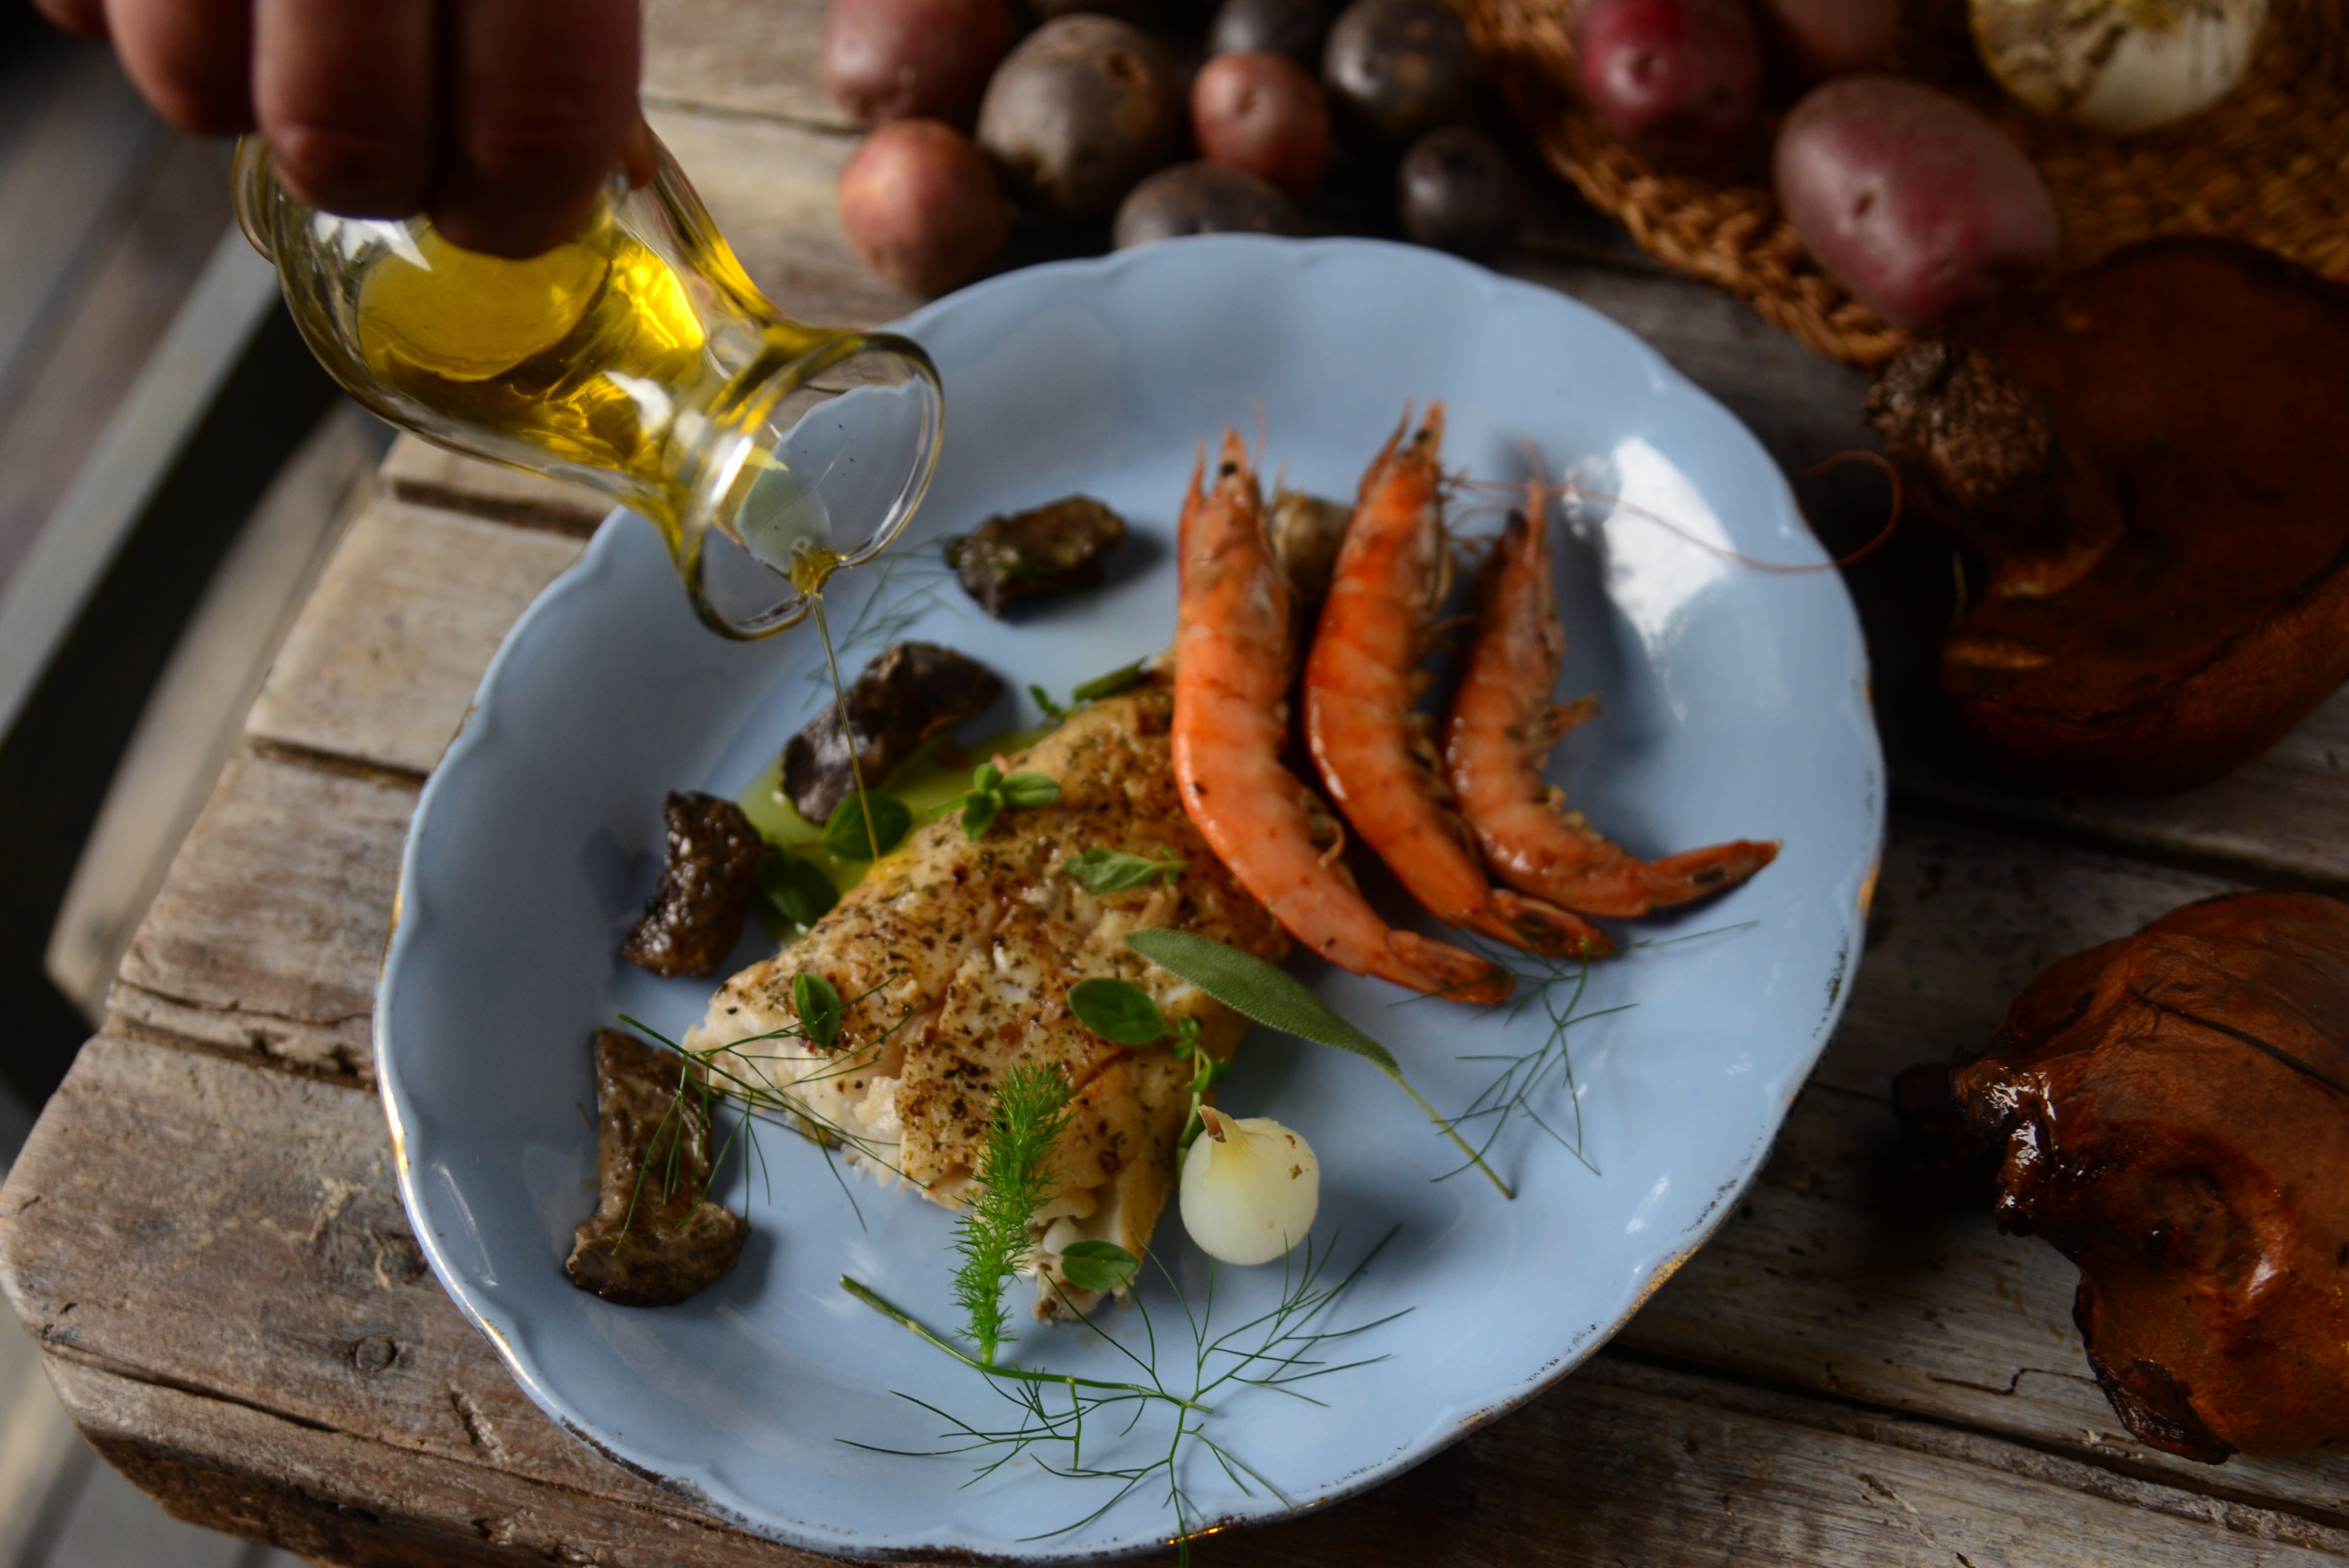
[[204, 1235]]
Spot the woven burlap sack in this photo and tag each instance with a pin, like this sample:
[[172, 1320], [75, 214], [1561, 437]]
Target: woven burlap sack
[[2269, 163]]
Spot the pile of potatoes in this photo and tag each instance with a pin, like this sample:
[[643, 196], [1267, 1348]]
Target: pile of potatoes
[[1916, 204], [1152, 119]]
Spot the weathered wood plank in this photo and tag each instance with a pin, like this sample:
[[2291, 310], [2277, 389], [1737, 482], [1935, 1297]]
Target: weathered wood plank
[[1934, 1314], [250, 1331], [268, 931], [417, 471], [381, 664], [761, 58]]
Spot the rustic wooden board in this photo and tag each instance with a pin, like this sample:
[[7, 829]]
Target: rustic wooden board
[[262, 1302], [269, 927], [758, 59], [1829, 1280], [383, 661], [417, 471]]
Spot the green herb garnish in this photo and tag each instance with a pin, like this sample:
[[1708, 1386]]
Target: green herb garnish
[[1052, 710], [817, 1002], [848, 835], [992, 790], [1274, 998], [1110, 685], [1124, 1013], [1101, 1266], [1030, 1114], [1098, 870], [795, 888]]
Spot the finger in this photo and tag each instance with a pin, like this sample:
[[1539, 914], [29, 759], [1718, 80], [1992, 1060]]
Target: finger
[[84, 16], [188, 59], [542, 98], [343, 92]]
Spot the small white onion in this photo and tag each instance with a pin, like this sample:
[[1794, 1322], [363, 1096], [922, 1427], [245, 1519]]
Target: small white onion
[[1249, 1188], [2118, 66]]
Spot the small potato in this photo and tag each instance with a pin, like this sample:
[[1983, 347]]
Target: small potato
[[1457, 192], [1081, 110], [920, 204], [1292, 27], [905, 59], [1812, 40], [1677, 82], [1915, 203], [1203, 198], [1262, 113], [1396, 70]]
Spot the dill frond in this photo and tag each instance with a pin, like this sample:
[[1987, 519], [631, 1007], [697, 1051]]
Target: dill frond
[[1030, 1114]]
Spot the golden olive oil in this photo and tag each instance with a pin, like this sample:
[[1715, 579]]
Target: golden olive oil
[[579, 353]]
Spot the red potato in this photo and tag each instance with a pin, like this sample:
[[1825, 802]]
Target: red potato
[[1262, 113], [1912, 201], [906, 59], [919, 203], [1677, 82], [1812, 40]]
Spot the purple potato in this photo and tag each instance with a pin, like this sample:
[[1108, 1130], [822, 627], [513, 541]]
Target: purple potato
[[1079, 111], [1203, 198], [1457, 192], [1912, 201], [1677, 82]]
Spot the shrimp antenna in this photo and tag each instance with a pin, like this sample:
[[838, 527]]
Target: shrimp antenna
[[1257, 406]]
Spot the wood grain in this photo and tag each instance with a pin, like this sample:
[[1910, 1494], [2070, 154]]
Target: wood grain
[[417, 471], [382, 664], [264, 1349], [762, 57], [266, 932]]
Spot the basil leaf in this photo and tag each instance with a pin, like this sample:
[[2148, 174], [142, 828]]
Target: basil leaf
[[1031, 790], [1117, 1010], [796, 889], [1098, 1265], [844, 834], [1110, 685], [1264, 992], [817, 1002], [1098, 870]]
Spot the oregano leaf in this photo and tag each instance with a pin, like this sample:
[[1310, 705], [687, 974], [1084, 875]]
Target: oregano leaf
[[1029, 789], [1098, 870], [845, 832], [817, 1002], [979, 813], [1098, 1265], [1117, 1010], [1110, 685]]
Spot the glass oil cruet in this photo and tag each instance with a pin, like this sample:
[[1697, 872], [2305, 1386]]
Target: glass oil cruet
[[638, 359]]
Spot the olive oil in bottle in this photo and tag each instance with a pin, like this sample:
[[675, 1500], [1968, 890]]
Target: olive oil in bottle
[[579, 352]]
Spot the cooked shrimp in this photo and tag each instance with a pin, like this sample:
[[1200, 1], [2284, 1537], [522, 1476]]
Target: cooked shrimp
[[1231, 722], [1361, 682], [1503, 724]]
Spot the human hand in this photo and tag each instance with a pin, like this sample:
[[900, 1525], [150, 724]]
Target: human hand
[[498, 119]]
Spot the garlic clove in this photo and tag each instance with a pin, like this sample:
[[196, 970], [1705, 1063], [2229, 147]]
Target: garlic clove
[[1249, 1188], [2118, 66]]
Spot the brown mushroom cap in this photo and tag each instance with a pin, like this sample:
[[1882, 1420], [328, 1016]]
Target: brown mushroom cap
[[2205, 384], [2172, 1112]]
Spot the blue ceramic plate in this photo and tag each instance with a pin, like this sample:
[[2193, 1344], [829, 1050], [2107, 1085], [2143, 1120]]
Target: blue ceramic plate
[[1736, 706]]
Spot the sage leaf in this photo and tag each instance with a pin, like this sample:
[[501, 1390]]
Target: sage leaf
[[1031, 790], [846, 836], [795, 888], [1110, 685], [1264, 992], [1098, 1265], [1118, 1011], [1098, 869], [817, 1002], [1277, 999]]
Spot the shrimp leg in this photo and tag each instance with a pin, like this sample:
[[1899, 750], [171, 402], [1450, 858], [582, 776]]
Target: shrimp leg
[[1503, 724], [1231, 723], [1361, 680]]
